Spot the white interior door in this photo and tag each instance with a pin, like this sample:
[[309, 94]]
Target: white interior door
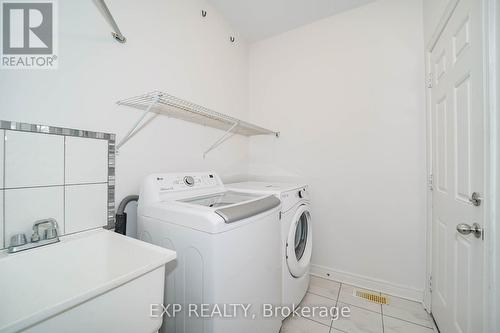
[[458, 171]]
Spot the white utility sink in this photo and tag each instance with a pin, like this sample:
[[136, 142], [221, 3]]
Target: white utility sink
[[95, 281]]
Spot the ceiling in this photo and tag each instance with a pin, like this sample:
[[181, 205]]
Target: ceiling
[[259, 19]]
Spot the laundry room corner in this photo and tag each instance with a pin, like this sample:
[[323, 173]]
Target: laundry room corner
[[353, 86], [263, 166]]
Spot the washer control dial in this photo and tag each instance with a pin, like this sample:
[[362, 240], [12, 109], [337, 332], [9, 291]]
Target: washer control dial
[[189, 180]]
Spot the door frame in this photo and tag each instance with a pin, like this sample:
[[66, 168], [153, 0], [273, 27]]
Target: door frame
[[491, 48]]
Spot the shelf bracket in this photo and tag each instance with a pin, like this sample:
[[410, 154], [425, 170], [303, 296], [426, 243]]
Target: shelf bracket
[[117, 34], [138, 124], [221, 140]]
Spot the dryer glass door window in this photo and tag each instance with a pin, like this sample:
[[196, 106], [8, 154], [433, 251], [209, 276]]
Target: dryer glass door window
[[301, 236], [299, 245]]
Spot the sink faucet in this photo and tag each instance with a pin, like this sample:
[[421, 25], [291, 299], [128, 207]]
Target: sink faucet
[[50, 232], [50, 235]]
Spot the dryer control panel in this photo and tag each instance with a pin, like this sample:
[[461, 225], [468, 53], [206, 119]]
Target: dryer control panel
[[291, 198]]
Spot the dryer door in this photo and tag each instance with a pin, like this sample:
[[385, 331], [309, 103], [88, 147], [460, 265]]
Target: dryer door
[[299, 244]]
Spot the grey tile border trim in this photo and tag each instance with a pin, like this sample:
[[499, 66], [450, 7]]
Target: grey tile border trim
[[35, 128], [54, 130]]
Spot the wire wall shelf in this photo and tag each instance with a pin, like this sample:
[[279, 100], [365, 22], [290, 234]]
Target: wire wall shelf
[[158, 102]]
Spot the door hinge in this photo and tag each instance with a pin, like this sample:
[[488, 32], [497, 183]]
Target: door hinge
[[430, 182], [430, 283], [429, 80]]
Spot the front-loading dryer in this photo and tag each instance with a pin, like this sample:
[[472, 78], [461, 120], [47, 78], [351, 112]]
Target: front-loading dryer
[[297, 245], [296, 234]]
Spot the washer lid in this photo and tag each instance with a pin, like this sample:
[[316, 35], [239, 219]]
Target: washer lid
[[221, 199]]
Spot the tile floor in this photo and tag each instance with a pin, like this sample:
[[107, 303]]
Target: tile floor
[[399, 316]]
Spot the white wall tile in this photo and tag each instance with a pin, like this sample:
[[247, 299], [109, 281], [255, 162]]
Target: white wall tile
[[25, 206], [33, 159], [2, 136], [86, 160], [2, 244], [86, 207]]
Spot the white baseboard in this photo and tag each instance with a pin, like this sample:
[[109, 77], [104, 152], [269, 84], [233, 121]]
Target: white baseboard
[[368, 283]]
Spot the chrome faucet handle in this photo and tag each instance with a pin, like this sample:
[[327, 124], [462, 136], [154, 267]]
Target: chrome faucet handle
[[18, 240], [53, 227], [45, 232], [51, 233]]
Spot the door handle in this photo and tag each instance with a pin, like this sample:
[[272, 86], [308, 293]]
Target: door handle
[[475, 199], [466, 229]]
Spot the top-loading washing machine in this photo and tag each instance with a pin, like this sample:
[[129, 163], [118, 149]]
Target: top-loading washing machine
[[296, 236], [227, 245]]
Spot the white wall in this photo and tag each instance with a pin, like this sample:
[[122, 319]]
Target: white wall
[[170, 47], [347, 94]]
